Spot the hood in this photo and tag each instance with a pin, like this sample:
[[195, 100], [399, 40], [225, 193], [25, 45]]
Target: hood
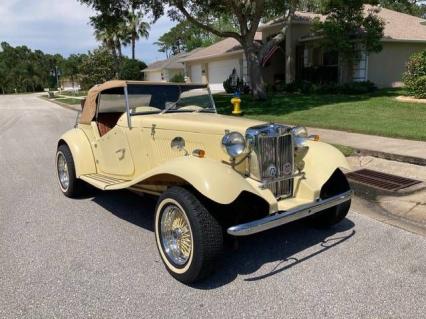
[[207, 123]]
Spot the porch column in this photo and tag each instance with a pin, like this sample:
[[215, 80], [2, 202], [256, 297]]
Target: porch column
[[289, 57]]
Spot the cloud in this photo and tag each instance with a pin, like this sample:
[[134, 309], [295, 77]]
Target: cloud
[[62, 27]]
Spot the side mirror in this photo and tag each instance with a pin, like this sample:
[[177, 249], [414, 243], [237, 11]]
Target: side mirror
[[82, 103]]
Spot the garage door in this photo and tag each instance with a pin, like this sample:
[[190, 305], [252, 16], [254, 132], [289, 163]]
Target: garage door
[[196, 73], [219, 71], [153, 76]]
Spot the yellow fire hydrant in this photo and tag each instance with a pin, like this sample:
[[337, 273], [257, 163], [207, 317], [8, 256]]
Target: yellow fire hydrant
[[236, 102]]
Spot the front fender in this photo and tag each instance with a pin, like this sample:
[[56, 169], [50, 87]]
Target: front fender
[[214, 179], [81, 151], [321, 162]]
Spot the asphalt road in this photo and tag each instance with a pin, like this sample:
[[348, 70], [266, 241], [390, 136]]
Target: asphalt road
[[96, 257]]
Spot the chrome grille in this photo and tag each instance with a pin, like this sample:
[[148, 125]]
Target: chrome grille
[[274, 162], [276, 153]]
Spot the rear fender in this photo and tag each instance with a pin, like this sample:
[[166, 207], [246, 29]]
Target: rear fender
[[81, 151]]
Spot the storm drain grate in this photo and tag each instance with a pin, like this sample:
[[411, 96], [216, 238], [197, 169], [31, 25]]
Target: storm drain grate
[[381, 180]]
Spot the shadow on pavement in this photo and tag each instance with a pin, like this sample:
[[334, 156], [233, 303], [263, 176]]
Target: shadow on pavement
[[277, 245]]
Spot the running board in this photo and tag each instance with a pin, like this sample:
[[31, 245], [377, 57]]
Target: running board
[[104, 182]]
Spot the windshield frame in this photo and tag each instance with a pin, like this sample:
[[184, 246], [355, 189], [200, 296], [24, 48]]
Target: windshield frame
[[211, 109]]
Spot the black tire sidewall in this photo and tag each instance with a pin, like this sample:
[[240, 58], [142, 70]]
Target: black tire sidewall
[[203, 227]]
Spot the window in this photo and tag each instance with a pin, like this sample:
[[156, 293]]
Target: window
[[112, 101]]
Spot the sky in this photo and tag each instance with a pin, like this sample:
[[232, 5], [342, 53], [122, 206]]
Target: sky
[[61, 26]]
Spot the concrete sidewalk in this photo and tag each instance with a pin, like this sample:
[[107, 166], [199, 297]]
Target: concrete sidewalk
[[389, 148]]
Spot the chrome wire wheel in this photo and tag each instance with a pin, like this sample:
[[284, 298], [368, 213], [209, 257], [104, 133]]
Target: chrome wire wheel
[[176, 235], [63, 172]]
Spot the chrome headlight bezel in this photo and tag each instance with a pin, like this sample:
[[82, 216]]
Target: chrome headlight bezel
[[234, 144], [300, 131]]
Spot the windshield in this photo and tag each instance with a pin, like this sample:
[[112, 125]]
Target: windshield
[[157, 98]]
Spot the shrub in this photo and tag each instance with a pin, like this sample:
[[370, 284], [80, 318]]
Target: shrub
[[416, 68], [240, 86], [178, 78], [131, 69], [419, 87]]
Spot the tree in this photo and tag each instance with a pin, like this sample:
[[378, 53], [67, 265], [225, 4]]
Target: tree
[[413, 7], [97, 67], [134, 28], [131, 69], [24, 70], [244, 15], [71, 67], [349, 29], [185, 37]]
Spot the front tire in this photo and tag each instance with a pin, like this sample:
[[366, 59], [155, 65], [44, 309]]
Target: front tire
[[189, 239], [332, 215], [70, 185]]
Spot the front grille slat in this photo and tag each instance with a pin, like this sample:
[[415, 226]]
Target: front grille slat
[[276, 152]]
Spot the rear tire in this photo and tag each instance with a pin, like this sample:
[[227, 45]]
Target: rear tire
[[331, 216], [189, 239], [69, 184]]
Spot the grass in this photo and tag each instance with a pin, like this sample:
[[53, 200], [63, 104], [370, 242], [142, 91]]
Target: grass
[[70, 101], [346, 150], [78, 93], [376, 113]]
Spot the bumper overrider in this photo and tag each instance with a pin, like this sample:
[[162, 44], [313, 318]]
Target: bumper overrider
[[291, 215]]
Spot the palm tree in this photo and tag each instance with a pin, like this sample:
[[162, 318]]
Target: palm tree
[[135, 29], [108, 39]]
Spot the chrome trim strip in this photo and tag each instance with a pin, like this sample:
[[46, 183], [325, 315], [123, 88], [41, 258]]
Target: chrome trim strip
[[285, 217]]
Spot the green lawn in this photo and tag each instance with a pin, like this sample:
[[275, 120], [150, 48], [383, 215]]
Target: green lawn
[[79, 93], [69, 101], [376, 113]]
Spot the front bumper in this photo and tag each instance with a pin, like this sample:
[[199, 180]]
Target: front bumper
[[291, 215]]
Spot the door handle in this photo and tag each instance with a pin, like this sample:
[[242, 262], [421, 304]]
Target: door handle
[[120, 153]]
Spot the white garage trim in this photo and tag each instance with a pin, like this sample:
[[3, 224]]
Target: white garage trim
[[219, 71]]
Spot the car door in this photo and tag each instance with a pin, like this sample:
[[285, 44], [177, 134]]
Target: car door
[[111, 147]]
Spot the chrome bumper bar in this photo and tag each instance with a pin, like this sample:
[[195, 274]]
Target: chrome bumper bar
[[285, 217]]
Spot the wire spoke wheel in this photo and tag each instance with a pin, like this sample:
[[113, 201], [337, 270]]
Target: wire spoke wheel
[[176, 235]]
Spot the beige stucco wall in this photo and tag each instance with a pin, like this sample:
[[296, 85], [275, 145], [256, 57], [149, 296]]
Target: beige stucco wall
[[385, 69]]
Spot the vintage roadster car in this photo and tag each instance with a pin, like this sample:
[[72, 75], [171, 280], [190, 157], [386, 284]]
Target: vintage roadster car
[[215, 175]]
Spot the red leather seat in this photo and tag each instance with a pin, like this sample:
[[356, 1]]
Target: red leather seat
[[106, 121]]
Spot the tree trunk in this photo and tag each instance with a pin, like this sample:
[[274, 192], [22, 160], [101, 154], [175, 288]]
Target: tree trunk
[[133, 45], [257, 84]]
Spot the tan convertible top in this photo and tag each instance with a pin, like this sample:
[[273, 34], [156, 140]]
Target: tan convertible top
[[89, 109]]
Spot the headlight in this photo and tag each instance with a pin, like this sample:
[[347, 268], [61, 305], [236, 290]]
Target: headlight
[[234, 144], [300, 131]]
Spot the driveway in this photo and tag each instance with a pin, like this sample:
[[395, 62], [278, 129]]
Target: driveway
[[96, 256]]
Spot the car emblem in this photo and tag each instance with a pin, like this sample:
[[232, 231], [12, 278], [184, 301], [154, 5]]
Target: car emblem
[[287, 169], [272, 170]]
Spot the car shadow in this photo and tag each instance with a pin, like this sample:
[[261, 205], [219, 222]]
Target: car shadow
[[278, 246]]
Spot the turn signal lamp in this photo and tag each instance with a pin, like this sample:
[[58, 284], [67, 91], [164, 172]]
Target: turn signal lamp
[[199, 153], [315, 138]]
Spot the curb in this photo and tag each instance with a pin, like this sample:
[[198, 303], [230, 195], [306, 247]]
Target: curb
[[64, 105], [390, 156]]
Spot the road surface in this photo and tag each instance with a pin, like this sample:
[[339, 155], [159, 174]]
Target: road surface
[[96, 258]]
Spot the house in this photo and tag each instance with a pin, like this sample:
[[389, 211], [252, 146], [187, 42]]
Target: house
[[69, 84], [301, 57], [165, 70]]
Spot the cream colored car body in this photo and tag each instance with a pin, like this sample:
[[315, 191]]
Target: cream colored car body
[[139, 157]]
